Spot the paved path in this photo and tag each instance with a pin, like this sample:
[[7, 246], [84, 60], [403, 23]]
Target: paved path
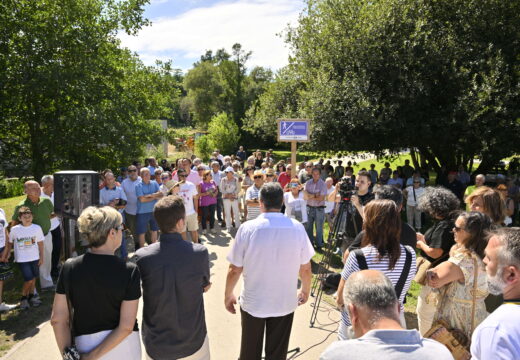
[[223, 327]]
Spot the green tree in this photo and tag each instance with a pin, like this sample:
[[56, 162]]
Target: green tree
[[203, 147], [223, 133], [71, 97], [204, 92], [441, 77]]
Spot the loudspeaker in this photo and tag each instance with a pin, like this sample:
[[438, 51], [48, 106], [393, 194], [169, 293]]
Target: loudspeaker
[[74, 191]]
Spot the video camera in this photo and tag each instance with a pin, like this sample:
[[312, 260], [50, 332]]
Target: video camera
[[346, 188]]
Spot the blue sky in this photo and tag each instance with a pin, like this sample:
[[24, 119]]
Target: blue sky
[[183, 30]]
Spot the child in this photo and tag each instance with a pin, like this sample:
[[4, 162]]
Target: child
[[27, 239], [5, 272]]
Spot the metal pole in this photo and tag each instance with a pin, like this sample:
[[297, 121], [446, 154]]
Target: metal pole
[[294, 172]]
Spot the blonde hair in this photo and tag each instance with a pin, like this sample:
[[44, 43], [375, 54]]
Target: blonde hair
[[95, 223], [492, 202]]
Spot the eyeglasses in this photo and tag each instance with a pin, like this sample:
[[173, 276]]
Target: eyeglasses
[[182, 175], [26, 213], [120, 227], [165, 178], [416, 182], [200, 169], [268, 175], [258, 177], [132, 170]]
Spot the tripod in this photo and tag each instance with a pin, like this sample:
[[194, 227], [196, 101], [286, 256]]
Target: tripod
[[334, 240]]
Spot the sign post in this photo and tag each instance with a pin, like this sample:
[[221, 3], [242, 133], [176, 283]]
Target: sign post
[[293, 131]]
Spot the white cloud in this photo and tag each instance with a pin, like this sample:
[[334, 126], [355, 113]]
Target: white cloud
[[252, 23]]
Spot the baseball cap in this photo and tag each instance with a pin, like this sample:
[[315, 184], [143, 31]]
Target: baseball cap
[[229, 169]]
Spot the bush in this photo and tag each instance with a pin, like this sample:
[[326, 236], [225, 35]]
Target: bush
[[203, 147], [11, 188], [223, 134]]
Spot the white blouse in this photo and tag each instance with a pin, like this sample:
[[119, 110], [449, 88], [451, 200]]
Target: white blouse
[[293, 204]]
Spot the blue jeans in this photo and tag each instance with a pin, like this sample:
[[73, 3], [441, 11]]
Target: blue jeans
[[315, 215]]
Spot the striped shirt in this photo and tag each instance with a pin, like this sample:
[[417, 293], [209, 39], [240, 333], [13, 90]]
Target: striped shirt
[[371, 255], [252, 211]]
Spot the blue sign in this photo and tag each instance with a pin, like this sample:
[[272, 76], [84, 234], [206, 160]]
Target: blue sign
[[293, 130]]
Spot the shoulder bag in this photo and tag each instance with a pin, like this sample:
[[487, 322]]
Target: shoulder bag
[[454, 339], [71, 352]]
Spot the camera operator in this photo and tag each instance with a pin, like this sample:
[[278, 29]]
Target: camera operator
[[358, 199]]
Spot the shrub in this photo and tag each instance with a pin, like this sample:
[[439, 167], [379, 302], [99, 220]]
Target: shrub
[[203, 147], [223, 134], [11, 188]]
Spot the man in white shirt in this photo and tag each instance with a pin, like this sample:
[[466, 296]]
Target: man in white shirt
[[373, 307], [269, 295], [498, 336], [190, 196], [48, 192]]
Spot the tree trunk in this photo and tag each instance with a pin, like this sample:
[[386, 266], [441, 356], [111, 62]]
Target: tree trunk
[[414, 158]]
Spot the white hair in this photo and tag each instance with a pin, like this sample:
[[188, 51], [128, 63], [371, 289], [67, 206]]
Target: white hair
[[47, 178]]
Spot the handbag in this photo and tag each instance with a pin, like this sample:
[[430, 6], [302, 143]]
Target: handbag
[[423, 265], [70, 352], [454, 339]]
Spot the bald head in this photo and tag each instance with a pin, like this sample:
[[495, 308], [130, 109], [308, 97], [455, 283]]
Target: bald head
[[32, 190]]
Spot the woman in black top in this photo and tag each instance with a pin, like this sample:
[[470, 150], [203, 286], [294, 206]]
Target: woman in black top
[[442, 205], [104, 292]]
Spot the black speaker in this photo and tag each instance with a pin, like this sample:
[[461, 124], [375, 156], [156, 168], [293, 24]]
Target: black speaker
[[74, 191]]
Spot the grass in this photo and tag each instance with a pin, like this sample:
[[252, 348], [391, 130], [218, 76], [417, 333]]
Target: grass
[[9, 204], [17, 325]]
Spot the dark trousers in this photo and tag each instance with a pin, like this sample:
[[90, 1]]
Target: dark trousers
[[56, 251], [208, 214], [277, 330], [220, 206]]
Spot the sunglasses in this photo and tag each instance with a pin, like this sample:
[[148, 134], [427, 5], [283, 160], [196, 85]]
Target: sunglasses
[[182, 175], [165, 178], [26, 213], [132, 170], [258, 177], [457, 229]]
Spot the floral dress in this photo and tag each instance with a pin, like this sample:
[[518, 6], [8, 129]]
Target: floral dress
[[456, 308]]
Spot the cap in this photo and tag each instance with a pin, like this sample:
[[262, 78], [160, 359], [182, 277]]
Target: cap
[[269, 171], [229, 169]]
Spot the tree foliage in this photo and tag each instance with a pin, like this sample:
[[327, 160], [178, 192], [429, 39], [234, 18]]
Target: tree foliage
[[438, 76], [220, 82], [70, 96], [223, 133]]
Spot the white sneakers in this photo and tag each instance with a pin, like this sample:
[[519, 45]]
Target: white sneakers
[[7, 307]]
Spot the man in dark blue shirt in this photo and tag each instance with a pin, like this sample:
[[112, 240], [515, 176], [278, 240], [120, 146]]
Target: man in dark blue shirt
[[175, 274]]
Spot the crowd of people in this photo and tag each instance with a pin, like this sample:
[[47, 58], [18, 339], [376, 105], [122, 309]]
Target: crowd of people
[[467, 261]]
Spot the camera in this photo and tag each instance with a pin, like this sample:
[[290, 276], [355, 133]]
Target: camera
[[346, 188], [120, 202]]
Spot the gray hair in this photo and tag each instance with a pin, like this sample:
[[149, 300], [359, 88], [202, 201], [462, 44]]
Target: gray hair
[[271, 195], [47, 178], [215, 163], [371, 290], [439, 202], [481, 176], [509, 252]]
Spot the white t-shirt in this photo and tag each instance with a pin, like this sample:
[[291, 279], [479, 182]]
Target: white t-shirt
[[498, 336], [3, 224], [187, 191], [411, 200], [25, 240], [55, 221], [271, 249]]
